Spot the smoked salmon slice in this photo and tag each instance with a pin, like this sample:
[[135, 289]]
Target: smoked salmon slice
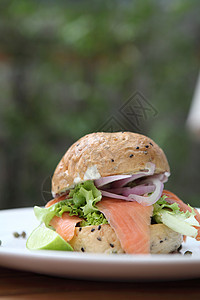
[[65, 225], [55, 200], [171, 198], [131, 223]]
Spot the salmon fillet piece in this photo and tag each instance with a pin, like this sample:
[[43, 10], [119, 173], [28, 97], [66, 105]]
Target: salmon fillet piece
[[65, 225], [131, 223], [55, 200]]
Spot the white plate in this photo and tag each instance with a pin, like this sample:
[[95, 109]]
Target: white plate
[[14, 254]]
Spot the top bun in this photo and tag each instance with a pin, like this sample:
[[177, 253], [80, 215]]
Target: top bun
[[103, 154]]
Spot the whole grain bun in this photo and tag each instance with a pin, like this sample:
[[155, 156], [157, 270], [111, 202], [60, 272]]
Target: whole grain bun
[[104, 154], [102, 239]]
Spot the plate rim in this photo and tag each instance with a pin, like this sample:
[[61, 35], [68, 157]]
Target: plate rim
[[77, 258]]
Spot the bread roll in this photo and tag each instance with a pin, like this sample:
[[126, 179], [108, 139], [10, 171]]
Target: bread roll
[[104, 154]]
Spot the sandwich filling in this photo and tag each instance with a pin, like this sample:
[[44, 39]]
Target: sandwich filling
[[129, 203]]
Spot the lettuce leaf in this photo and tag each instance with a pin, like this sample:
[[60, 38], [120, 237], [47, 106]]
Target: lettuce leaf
[[94, 218], [45, 215], [85, 195], [81, 202], [172, 217]]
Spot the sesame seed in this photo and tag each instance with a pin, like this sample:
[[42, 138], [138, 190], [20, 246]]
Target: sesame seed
[[80, 228], [98, 238], [77, 145], [151, 144], [93, 229], [111, 245], [99, 227], [82, 249], [112, 160], [137, 147], [131, 155], [161, 241], [147, 146]]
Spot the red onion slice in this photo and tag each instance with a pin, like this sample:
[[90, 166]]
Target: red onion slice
[[137, 190], [105, 180], [162, 177], [116, 196], [143, 200], [165, 177], [154, 197]]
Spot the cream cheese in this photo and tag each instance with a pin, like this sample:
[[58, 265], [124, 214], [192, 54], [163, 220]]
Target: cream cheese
[[92, 173], [77, 179]]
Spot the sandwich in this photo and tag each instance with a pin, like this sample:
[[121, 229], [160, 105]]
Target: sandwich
[[109, 197]]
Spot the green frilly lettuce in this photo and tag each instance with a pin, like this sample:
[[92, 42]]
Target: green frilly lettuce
[[172, 217], [81, 202]]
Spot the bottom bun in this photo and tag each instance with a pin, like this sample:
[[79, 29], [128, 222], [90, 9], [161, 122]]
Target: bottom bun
[[103, 239]]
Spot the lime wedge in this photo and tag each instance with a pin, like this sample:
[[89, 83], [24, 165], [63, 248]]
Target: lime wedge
[[43, 238]]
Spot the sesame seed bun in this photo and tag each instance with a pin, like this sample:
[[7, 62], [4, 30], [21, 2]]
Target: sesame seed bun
[[104, 154], [103, 239]]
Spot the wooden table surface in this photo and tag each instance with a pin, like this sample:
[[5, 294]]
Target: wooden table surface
[[26, 285]]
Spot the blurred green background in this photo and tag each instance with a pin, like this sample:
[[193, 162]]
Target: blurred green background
[[69, 68]]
